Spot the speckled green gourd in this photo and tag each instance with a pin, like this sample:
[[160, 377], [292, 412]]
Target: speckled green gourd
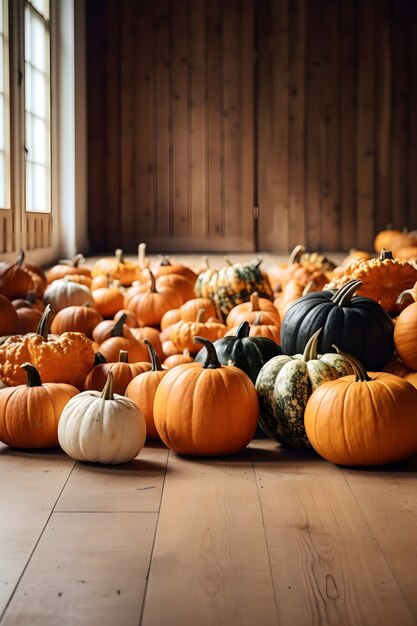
[[284, 385], [233, 284]]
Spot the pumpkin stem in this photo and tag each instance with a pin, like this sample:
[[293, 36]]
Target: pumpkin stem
[[44, 325], [310, 350], [211, 362], [360, 372], [343, 296], [256, 262], [142, 255], [254, 300], [243, 330], [107, 393], [99, 358], [155, 362], [118, 253], [228, 261], [152, 279], [32, 375], [165, 260], [386, 254], [206, 263], [309, 288], [123, 356], [79, 258], [117, 330], [296, 254], [20, 258], [408, 296]]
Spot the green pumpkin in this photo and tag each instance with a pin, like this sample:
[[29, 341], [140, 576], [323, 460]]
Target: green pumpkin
[[284, 385], [247, 353], [233, 284]]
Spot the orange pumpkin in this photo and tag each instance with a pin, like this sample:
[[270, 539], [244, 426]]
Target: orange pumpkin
[[359, 420], [116, 268], [15, 280], [248, 311], [183, 332], [65, 267], [150, 305], [206, 409], [405, 336], [108, 300], [82, 319], [29, 413], [397, 367], [142, 390], [66, 358], [123, 373], [9, 321]]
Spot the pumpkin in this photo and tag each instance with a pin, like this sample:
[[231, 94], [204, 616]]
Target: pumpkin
[[396, 366], [233, 284], [141, 389], [166, 267], [241, 350], [116, 268], [64, 267], [284, 385], [359, 325], [29, 413], [9, 321], [260, 327], [62, 293], [15, 280], [121, 338], [182, 333], [65, 359], [102, 427], [123, 373], [359, 420], [82, 319], [248, 311], [29, 318], [405, 336], [149, 306], [206, 409], [108, 300], [178, 359], [151, 334], [302, 266], [391, 239]]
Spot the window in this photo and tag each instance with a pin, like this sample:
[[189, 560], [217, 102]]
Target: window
[[37, 106], [4, 109]]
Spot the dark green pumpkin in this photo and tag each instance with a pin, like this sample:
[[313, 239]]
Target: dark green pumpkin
[[247, 353], [357, 325]]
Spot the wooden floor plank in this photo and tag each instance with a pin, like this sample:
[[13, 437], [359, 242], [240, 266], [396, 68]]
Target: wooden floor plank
[[327, 566], [134, 486], [30, 485], [88, 569], [388, 501], [210, 565]]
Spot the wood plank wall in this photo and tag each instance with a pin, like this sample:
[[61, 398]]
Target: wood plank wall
[[200, 110]]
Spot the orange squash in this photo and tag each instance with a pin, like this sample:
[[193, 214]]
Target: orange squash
[[405, 336]]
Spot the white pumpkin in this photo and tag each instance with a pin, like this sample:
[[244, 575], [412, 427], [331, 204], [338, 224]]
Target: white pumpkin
[[102, 427], [62, 293]]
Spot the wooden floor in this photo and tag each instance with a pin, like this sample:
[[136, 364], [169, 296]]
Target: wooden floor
[[266, 537]]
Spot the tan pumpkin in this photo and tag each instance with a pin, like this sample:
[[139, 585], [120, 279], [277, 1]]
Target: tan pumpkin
[[62, 293]]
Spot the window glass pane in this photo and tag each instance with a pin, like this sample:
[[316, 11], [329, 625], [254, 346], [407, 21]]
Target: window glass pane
[[2, 123], [36, 41], [36, 188], [3, 201], [38, 87], [1, 61], [39, 141]]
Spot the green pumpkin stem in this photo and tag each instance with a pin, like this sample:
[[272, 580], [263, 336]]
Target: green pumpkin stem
[[44, 325], [211, 362], [117, 330], [155, 362], [360, 372], [32, 375], [243, 330], [310, 350], [107, 393], [343, 296]]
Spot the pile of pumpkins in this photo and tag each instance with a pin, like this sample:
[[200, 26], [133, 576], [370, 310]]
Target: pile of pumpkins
[[100, 359]]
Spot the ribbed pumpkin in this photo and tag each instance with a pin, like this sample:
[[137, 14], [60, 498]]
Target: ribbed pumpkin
[[405, 336], [284, 385], [116, 268], [359, 420], [248, 311], [123, 373], [182, 333], [206, 409], [102, 427], [358, 325], [9, 321], [62, 293], [241, 350], [65, 358], [141, 389], [122, 339], [81, 319], [150, 305], [397, 367], [15, 280], [65, 267], [29, 413]]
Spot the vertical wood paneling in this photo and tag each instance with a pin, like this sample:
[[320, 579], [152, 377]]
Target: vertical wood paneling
[[163, 117], [296, 128], [365, 139], [400, 112], [197, 137], [383, 115], [314, 69], [347, 124], [180, 155], [185, 135]]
